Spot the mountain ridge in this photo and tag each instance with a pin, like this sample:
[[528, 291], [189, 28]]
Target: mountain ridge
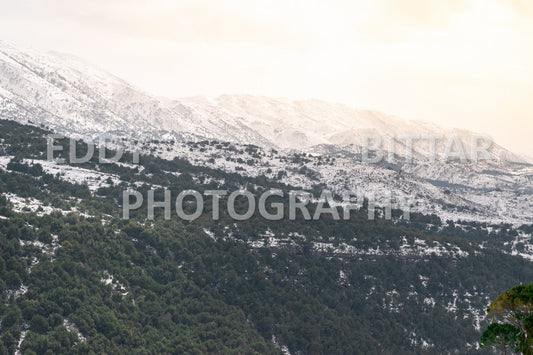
[[69, 95]]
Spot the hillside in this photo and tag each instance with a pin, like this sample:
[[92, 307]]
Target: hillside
[[69, 96], [77, 278]]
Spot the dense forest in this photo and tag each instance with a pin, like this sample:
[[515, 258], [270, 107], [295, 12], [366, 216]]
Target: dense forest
[[75, 277]]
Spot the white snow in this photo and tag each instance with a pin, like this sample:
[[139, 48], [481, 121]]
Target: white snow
[[71, 327], [108, 279], [76, 175], [23, 334], [16, 293]]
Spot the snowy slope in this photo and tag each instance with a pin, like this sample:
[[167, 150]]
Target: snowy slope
[[303, 124], [72, 97], [483, 192], [68, 95]]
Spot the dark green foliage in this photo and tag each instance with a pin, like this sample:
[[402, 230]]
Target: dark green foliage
[[513, 321], [176, 290], [504, 337]]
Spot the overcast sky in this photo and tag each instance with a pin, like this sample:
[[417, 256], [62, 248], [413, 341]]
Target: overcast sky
[[458, 63]]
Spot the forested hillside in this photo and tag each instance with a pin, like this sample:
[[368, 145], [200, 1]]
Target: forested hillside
[[75, 277]]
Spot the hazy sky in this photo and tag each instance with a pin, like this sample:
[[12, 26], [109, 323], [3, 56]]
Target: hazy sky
[[459, 63]]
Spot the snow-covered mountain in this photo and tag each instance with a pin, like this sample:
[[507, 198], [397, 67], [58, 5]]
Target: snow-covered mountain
[[65, 93], [72, 97], [313, 123]]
